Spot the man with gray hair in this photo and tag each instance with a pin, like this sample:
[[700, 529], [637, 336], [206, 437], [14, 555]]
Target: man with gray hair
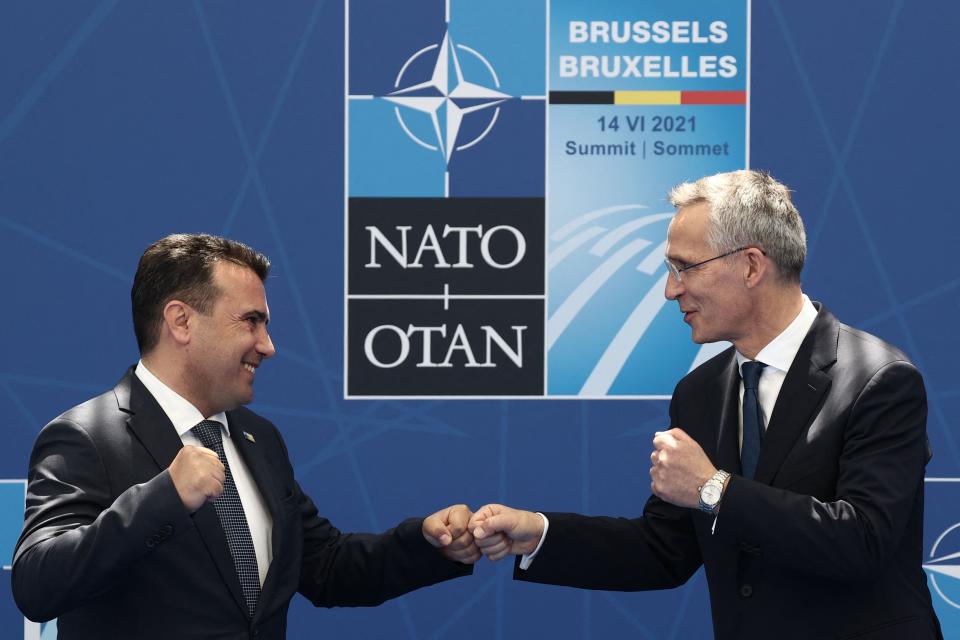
[[793, 468]]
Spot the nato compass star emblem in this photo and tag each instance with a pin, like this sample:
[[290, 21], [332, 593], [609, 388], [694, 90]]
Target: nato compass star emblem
[[447, 97], [944, 568]]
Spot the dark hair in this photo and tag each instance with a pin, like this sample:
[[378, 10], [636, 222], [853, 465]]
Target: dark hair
[[180, 267]]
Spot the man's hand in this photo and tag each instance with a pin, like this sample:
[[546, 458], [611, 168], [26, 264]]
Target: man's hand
[[447, 530], [500, 531], [198, 476], [679, 467]]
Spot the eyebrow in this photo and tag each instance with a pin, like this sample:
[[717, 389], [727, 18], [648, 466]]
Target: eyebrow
[[259, 315]]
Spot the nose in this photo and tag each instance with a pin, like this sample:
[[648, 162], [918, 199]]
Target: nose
[[674, 288], [265, 345]]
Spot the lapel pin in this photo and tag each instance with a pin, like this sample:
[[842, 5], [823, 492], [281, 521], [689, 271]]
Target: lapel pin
[[249, 437]]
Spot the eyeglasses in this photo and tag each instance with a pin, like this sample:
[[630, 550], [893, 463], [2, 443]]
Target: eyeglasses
[[677, 272]]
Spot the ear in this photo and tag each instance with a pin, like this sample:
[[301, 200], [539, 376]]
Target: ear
[[178, 321], [758, 267]]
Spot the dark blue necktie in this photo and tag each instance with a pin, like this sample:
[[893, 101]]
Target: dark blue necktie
[[230, 511], [752, 419]]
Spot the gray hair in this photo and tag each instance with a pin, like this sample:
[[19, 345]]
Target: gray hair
[[749, 208]]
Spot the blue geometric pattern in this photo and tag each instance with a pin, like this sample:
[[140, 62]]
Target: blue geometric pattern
[[121, 123]]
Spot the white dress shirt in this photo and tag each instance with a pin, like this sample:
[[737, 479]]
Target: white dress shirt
[[184, 417], [778, 355]]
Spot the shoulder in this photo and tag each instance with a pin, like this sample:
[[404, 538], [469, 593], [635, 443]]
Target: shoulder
[[77, 439], [867, 367], [855, 346], [97, 410], [851, 349], [102, 413], [863, 367], [92, 417]]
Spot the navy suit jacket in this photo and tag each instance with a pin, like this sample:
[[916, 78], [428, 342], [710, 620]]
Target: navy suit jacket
[[825, 542], [108, 547]]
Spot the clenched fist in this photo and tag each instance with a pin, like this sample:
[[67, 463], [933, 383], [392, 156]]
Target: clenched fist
[[198, 476], [447, 530], [501, 531], [677, 467]]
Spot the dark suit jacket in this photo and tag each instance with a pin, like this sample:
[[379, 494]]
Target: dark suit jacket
[[108, 547], [826, 542]]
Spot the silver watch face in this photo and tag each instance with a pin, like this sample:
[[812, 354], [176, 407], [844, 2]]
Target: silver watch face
[[710, 494]]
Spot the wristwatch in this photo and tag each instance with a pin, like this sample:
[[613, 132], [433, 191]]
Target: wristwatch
[[711, 491]]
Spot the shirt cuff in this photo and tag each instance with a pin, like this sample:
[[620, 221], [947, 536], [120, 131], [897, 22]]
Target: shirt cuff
[[527, 559]]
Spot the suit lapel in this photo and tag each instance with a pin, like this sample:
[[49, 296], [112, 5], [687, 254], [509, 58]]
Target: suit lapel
[[156, 433], [801, 395], [724, 404], [256, 461], [148, 421], [211, 531], [252, 454]]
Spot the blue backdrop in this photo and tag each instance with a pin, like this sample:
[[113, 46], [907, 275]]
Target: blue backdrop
[[121, 122]]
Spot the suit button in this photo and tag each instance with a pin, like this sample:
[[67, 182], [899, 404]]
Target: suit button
[[746, 590], [254, 632]]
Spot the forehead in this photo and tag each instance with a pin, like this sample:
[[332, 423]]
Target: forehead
[[239, 285], [687, 235]]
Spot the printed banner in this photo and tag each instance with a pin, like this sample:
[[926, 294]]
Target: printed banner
[[643, 95], [445, 211], [507, 166], [941, 559]]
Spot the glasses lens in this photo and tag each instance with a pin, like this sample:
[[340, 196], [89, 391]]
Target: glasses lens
[[672, 269]]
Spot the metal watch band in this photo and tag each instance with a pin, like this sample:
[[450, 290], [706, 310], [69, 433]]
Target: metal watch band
[[718, 480]]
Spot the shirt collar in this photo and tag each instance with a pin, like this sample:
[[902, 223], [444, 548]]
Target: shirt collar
[[181, 413], [780, 352]]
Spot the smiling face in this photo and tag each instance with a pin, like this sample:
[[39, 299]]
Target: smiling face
[[711, 297], [228, 344]]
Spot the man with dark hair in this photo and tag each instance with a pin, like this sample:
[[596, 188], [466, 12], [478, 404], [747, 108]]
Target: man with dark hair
[[181, 266], [165, 509], [793, 471]]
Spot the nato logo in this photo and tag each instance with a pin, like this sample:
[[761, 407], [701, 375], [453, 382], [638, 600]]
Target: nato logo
[[445, 100], [941, 560], [943, 570]]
